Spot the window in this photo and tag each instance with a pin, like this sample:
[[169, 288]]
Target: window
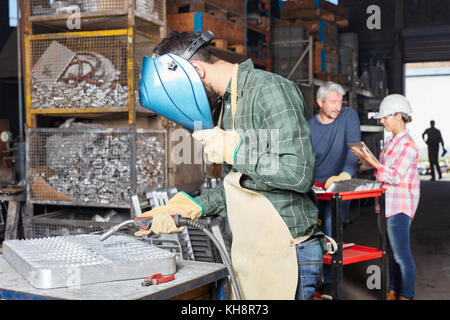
[[336, 2], [13, 13]]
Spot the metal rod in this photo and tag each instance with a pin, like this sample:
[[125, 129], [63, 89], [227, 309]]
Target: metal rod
[[311, 62], [114, 229], [19, 75], [298, 62]]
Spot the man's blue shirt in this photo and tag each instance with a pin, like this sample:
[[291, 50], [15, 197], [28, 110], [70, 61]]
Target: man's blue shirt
[[332, 154]]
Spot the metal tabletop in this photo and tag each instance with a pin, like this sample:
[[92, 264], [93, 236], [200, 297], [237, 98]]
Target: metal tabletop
[[189, 275]]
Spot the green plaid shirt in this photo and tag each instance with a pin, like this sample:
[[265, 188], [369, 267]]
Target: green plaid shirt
[[275, 155]]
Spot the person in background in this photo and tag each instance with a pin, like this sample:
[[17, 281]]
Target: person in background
[[397, 170], [331, 129], [434, 138]]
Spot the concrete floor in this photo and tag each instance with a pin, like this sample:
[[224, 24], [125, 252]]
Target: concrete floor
[[430, 240]]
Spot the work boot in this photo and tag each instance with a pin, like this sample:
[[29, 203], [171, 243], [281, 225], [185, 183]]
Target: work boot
[[324, 292], [391, 295]]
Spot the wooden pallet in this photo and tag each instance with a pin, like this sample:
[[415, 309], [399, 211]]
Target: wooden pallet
[[326, 61], [224, 45], [314, 4], [324, 33], [314, 10], [233, 11], [200, 21], [327, 77], [314, 14]]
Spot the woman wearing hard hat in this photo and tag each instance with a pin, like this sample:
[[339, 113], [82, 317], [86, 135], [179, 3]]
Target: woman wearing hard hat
[[397, 170]]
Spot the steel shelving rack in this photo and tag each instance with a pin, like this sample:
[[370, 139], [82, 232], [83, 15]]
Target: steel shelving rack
[[118, 31]]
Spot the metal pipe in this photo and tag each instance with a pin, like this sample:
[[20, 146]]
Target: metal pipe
[[114, 229], [19, 74]]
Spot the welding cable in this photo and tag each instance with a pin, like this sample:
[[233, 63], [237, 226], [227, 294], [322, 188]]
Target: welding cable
[[180, 221]]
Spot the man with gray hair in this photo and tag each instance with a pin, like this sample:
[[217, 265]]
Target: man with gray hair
[[331, 129]]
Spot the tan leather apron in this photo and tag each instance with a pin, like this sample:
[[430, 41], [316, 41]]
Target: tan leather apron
[[263, 252]]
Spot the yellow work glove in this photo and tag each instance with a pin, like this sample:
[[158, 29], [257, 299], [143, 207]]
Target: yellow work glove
[[181, 204], [341, 177], [219, 145], [162, 223]]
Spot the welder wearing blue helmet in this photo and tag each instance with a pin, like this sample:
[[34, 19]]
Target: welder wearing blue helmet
[[263, 141]]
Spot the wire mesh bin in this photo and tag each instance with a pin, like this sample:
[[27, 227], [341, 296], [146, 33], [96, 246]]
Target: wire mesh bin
[[84, 73], [150, 10], [75, 72], [76, 221], [94, 167]]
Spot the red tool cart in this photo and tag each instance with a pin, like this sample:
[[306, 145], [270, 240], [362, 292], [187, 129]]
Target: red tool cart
[[354, 253]]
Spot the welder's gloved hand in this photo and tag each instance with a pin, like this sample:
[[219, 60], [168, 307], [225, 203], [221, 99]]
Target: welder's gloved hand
[[162, 223], [181, 204], [220, 145], [341, 177]]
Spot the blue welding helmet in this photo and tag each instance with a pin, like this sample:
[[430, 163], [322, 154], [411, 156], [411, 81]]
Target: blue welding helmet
[[170, 86]]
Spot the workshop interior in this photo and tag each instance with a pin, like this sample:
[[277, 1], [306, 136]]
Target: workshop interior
[[96, 131]]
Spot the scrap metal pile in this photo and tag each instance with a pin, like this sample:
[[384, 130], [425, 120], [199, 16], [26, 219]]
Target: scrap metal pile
[[93, 167], [145, 8], [62, 78]]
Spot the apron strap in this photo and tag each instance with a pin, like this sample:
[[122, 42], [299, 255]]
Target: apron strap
[[301, 239], [234, 91], [334, 245], [233, 96]]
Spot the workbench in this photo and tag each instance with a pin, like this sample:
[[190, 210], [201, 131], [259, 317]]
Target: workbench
[[15, 202], [190, 275]]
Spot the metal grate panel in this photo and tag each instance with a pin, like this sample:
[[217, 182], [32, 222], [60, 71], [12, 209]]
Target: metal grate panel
[[78, 221], [78, 260]]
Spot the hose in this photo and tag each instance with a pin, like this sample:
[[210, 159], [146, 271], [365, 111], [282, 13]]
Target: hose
[[180, 221]]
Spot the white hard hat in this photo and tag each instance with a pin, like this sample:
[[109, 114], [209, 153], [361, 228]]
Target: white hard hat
[[392, 104]]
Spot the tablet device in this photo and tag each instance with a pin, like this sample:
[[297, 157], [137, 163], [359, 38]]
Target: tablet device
[[359, 146]]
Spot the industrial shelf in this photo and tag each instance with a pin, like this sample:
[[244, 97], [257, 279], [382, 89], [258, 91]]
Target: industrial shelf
[[253, 32], [115, 34], [355, 254], [84, 74], [94, 167], [97, 14]]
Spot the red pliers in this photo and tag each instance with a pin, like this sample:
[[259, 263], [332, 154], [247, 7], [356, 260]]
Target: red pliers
[[157, 279]]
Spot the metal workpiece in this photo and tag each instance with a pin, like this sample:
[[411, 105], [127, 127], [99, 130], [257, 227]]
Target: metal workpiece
[[71, 94], [70, 261], [354, 184]]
